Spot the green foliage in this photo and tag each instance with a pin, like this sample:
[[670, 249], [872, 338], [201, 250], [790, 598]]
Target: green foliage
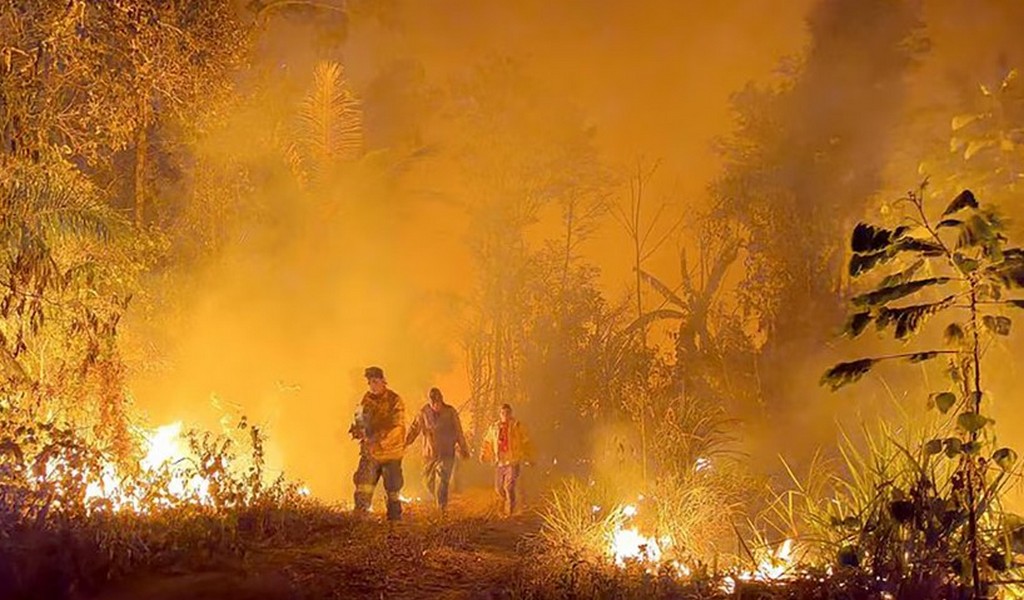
[[897, 515], [908, 320], [887, 294], [944, 401], [847, 372], [105, 67], [65, 281], [329, 129], [949, 508], [869, 239]]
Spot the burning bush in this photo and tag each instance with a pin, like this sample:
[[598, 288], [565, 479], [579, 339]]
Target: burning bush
[[72, 517]]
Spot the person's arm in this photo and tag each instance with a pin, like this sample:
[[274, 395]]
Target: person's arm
[[461, 436], [414, 429], [527, 444], [357, 429]]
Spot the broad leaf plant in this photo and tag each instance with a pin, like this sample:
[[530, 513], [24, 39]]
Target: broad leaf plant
[[960, 268]]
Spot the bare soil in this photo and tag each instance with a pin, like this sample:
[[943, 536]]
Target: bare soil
[[468, 553]]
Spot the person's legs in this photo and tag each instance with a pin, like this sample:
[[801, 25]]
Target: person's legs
[[503, 479], [444, 476], [499, 484], [511, 479], [393, 482], [431, 467], [365, 478]]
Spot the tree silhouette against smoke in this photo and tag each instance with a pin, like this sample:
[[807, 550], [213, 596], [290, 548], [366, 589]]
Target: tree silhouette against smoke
[[806, 158]]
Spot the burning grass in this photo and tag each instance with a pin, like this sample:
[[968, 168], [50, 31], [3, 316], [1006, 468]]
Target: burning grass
[[72, 517], [674, 536]]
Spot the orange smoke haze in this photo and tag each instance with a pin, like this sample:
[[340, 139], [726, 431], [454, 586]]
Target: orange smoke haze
[[279, 322], [281, 330]]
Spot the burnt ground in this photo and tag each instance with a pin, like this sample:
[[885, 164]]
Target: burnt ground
[[468, 553]]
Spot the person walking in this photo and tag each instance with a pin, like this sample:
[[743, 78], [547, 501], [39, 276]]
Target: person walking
[[507, 446], [441, 429], [380, 428]]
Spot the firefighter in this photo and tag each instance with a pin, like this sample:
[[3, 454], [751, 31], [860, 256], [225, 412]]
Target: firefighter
[[380, 428], [507, 447], [442, 432]]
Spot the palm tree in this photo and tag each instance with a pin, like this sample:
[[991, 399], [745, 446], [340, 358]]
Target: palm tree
[[52, 223]]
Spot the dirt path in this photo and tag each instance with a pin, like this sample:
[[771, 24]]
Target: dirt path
[[458, 556]]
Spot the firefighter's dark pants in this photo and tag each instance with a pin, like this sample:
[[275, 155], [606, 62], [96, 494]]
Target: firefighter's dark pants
[[366, 476]]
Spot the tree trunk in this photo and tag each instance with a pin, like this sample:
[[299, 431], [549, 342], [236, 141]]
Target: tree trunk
[[141, 149]]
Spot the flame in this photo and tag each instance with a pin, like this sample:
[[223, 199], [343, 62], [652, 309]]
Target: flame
[[164, 449], [775, 566], [628, 544]]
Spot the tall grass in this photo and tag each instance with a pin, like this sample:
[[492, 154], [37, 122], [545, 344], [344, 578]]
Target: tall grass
[[892, 507], [574, 520]]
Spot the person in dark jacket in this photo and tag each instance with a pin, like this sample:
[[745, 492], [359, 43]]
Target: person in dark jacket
[[442, 432]]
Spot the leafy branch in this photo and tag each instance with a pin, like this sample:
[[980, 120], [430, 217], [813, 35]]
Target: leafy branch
[[969, 267]]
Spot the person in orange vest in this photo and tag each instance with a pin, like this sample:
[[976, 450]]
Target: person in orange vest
[[442, 433], [380, 428], [507, 446]]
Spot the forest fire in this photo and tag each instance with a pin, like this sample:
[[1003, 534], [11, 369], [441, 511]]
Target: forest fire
[[590, 266]]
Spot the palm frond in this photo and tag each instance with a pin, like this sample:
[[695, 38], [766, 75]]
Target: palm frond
[[56, 204], [330, 118]]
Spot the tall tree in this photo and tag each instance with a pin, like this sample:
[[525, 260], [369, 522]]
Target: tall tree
[[518, 150], [828, 122], [93, 78]]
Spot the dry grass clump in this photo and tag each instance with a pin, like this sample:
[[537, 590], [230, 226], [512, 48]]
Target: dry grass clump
[[574, 520]]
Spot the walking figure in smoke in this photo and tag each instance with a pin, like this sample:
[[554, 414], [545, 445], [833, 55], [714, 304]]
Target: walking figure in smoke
[[442, 432], [380, 428], [507, 447]]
